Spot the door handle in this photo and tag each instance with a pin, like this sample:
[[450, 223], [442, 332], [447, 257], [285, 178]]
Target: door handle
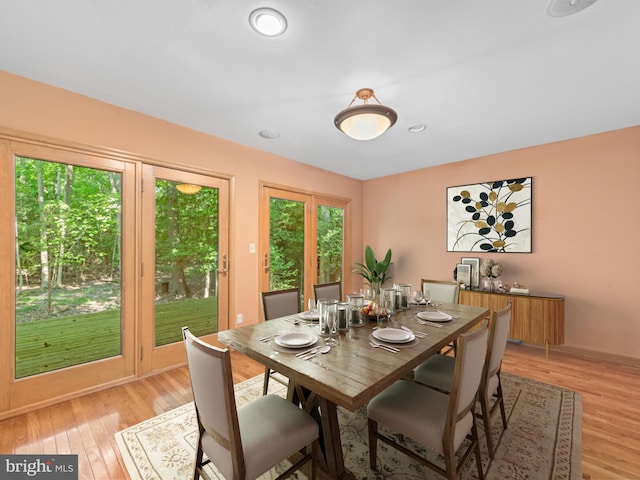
[[225, 267], [265, 263]]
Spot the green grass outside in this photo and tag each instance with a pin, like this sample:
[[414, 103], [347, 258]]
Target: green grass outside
[[54, 343]]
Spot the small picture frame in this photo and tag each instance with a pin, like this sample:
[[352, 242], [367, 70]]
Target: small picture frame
[[464, 274], [475, 270]]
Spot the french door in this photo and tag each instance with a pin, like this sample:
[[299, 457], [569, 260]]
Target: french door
[[303, 240], [184, 261], [104, 261], [70, 270]]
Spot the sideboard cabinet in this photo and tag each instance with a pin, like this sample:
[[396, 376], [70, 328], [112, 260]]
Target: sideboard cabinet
[[535, 318]]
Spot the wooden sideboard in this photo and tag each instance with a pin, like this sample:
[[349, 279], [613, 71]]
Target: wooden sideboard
[[535, 318]]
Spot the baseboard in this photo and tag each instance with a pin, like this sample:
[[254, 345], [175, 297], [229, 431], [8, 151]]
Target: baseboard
[[590, 354]]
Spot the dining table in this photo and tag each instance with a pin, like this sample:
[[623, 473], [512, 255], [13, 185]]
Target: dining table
[[354, 371]]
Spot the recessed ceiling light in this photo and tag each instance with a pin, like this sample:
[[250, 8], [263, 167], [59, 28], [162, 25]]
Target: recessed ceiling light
[[269, 134], [268, 22], [417, 128]]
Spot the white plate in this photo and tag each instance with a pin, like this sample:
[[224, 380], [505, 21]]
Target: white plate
[[393, 335], [436, 316], [310, 315], [295, 339]]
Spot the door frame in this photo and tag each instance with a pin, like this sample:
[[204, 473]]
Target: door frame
[[66, 382], [151, 358], [311, 201]]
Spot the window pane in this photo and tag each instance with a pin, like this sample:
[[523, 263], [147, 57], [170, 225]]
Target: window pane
[[186, 261], [68, 289], [286, 244], [330, 240]]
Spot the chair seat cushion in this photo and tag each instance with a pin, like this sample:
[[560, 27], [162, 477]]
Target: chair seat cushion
[[272, 428], [436, 371], [417, 412]]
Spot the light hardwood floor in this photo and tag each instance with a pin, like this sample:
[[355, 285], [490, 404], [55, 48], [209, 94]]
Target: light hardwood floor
[[86, 425]]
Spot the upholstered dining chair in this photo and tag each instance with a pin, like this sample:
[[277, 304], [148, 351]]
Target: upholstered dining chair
[[441, 290], [243, 442], [438, 421], [438, 371], [275, 304], [332, 291]]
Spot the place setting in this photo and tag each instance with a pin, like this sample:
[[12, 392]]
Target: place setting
[[393, 339], [313, 312], [293, 342]]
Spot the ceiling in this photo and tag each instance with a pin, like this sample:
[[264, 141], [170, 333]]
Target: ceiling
[[483, 76]]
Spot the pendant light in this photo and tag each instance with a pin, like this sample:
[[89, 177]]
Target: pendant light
[[366, 121], [188, 188]]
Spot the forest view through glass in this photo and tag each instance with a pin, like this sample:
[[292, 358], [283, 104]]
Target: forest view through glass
[[68, 258], [186, 261]]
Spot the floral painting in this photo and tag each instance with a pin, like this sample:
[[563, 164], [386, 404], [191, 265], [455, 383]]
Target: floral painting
[[490, 217]]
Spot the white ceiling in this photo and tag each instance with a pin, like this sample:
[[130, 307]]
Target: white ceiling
[[484, 76]]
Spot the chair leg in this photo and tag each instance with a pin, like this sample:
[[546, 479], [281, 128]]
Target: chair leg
[[314, 459], [199, 455], [373, 443], [486, 419], [503, 413], [267, 374], [474, 430], [450, 464]]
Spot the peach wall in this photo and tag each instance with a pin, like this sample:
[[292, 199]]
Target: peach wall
[[585, 229], [40, 109], [583, 204]]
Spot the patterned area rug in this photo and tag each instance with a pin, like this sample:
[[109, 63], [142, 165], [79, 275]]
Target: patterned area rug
[[543, 440]]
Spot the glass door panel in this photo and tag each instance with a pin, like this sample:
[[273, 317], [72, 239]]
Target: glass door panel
[[286, 244], [185, 246], [330, 245], [68, 263], [68, 258], [186, 259]]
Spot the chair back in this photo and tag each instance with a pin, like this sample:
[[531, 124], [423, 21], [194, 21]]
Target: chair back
[[441, 291], [280, 303], [498, 335], [470, 356], [212, 386], [330, 291]]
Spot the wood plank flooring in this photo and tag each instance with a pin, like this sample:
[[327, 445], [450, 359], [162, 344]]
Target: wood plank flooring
[[86, 425]]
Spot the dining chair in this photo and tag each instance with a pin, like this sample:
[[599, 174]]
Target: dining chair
[[275, 304], [441, 290], [438, 421], [331, 291], [243, 442], [437, 372]]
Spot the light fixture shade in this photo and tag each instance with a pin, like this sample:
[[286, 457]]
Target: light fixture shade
[[365, 122], [188, 188]]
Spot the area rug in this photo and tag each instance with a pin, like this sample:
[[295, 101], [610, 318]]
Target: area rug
[[543, 440]]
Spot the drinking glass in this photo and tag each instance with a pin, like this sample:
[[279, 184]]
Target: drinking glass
[[417, 297], [332, 314], [382, 314], [367, 293], [427, 296], [311, 303]]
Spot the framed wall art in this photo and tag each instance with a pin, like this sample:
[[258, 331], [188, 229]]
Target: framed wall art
[[474, 263], [464, 274], [492, 217]]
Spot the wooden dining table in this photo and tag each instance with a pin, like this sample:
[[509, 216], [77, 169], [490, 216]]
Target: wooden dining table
[[353, 372]]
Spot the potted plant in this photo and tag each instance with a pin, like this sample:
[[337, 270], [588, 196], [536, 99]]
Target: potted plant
[[373, 271]]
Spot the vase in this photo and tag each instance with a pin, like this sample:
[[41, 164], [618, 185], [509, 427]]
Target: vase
[[487, 284]]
